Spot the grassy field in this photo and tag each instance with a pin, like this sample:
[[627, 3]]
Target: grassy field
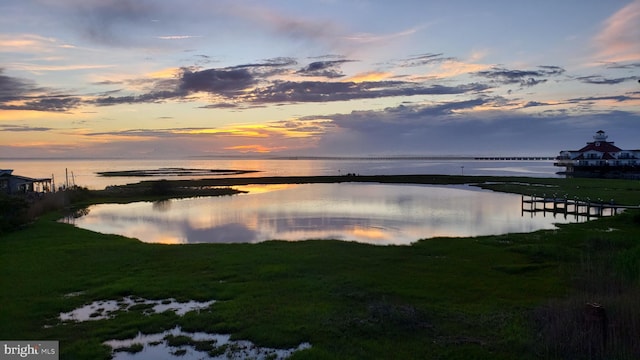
[[515, 296]]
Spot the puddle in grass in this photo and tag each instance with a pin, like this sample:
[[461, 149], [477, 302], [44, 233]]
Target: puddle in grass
[[106, 309], [177, 344], [174, 343]]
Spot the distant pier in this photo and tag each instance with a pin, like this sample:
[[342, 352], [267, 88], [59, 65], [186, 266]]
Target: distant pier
[[564, 206], [515, 158]]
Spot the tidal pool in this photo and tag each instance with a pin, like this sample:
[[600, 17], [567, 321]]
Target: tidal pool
[[106, 309], [174, 343], [379, 214]]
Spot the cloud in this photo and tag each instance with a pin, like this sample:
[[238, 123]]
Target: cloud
[[60, 103], [440, 130], [269, 67], [270, 63], [154, 133], [524, 78], [301, 29], [110, 22], [273, 136], [226, 82], [257, 84], [22, 94], [615, 65], [600, 80], [407, 113], [425, 59], [327, 68], [536, 103], [35, 68], [318, 91], [22, 128], [108, 82], [12, 88], [25, 43], [616, 98], [286, 129], [618, 39]]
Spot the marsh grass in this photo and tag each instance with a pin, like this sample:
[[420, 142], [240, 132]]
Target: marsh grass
[[514, 296], [568, 327], [133, 348]]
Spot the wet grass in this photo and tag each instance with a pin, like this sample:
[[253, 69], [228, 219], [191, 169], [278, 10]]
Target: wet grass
[[515, 296]]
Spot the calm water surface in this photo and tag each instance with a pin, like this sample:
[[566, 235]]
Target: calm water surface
[[83, 172], [370, 213]]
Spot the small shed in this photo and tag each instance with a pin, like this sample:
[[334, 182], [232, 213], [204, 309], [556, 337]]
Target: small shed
[[11, 184]]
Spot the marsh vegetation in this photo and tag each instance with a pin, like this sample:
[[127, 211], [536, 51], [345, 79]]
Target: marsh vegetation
[[513, 296]]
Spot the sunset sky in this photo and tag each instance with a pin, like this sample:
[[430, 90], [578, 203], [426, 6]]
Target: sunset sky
[[167, 78]]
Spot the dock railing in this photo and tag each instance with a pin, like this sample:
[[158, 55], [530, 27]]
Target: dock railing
[[563, 205]]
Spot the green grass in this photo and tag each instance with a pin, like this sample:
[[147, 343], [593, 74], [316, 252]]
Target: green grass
[[444, 298]]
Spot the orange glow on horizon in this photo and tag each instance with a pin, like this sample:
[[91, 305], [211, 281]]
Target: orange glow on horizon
[[262, 130], [239, 131], [167, 73], [252, 148], [369, 233], [167, 240], [13, 115], [370, 76]]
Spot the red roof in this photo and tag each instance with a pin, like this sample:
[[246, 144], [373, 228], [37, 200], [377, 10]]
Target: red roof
[[601, 146]]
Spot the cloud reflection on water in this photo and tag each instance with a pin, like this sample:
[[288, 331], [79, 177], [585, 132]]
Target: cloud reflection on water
[[370, 213]]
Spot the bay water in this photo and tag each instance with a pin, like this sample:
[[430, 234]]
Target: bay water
[[84, 172], [379, 214]]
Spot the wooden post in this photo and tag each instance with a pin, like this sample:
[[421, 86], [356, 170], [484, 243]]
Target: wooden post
[[597, 326]]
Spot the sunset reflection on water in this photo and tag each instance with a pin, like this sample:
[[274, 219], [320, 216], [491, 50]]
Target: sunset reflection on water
[[378, 214]]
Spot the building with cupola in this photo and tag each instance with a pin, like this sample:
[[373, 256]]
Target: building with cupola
[[599, 158]]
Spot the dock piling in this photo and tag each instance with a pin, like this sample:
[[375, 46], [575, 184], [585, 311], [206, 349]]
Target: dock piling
[[586, 208]]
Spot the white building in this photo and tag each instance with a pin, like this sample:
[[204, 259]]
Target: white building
[[599, 156]]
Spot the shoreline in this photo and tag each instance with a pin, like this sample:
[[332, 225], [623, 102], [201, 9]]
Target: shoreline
[[620, 191]]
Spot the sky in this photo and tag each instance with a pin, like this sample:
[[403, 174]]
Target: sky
[[165, 78]]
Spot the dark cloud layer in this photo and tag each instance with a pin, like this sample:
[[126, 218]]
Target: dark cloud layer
[[631, 66], [22, 94], [49, 103], [258, 84], [439, 129], [424, 59], [328, 69], [225, 81], [618, 98], [269, 63], [524, 78], [12, 88], [251, 84], [22, 128], [317, 91], [600, 80]]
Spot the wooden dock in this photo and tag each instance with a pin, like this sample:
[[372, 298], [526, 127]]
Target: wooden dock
[[575, 207]]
